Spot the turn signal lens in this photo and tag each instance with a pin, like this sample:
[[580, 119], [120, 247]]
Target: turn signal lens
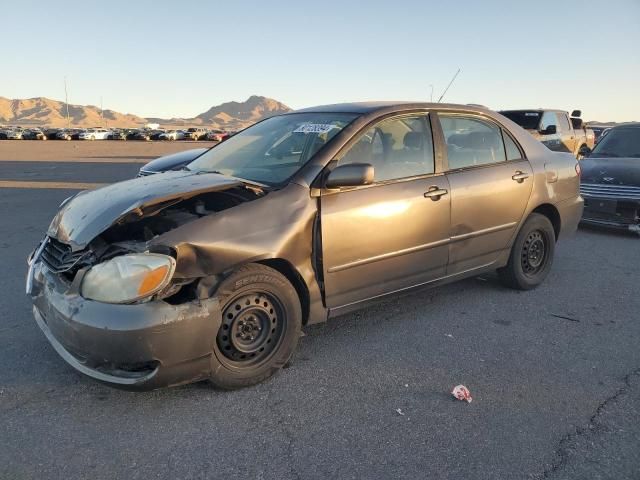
[[152, 280]]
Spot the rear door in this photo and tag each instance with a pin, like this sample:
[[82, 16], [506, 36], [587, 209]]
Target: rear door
[[490, 183], [392, 234]]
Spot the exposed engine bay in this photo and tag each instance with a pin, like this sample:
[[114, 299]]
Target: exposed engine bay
[[132, 232], [144, 224]]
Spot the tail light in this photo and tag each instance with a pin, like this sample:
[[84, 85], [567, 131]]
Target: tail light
[[578, 169]]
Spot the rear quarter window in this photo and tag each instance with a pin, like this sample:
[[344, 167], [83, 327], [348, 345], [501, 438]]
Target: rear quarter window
[[512, 150]]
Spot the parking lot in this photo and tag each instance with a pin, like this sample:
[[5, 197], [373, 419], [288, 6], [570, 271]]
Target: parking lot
[[554, 372]]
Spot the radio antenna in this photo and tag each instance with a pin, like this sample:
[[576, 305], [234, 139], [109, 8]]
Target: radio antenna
[[445, 90]]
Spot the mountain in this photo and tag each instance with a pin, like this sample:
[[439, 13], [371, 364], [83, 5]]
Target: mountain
[[53, 113], [46, 112], [231, 115]]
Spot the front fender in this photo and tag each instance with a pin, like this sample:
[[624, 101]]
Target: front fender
[[276, 226]]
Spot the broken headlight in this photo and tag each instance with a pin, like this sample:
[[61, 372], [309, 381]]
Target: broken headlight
[[128, 278]]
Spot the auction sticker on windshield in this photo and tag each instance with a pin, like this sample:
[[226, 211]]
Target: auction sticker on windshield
[[314, 128]]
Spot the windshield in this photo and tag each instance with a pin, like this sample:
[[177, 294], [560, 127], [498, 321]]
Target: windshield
[[619, 142], [273, 150], [527, 120]]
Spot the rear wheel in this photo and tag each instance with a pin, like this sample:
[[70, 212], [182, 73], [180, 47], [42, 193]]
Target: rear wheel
[[261, 322], [531, 255]]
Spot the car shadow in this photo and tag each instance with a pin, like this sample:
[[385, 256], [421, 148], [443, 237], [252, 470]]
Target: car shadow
[[603, 230]]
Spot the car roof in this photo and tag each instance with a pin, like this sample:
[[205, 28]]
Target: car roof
[[369, 107], [627, 125], [534, 110]]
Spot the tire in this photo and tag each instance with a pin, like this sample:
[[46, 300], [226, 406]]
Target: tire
[[261, 323], [531, 255]]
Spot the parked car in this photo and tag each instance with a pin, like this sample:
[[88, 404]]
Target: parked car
[[611, 180], [175, 161], [33, 134], [3, 134], [76, 132], [64, 135], [217, 135], [95, 134], [555, 129], [156, 134], [603, 134], [147, 135], [210, 273], [13, 134], [143, 135], [51, 133], [597, 131], [132, 134], [172, 135], [118, 134], [195, 134]]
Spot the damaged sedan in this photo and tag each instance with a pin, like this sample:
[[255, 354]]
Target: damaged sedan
[[210, 272]]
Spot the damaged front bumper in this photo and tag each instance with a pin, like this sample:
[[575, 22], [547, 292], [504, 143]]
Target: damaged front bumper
[[136, 347]]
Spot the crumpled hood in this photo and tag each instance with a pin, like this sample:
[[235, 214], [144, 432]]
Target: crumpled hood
[[91, 212], [611, 171]]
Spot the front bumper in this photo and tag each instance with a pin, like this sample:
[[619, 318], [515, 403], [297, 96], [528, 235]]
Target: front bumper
[[615, 213], [135, 347]]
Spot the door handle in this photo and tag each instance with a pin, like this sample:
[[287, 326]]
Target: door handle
[[520, 176], [435, 192]]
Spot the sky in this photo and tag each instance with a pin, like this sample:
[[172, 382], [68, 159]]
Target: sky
[[176, 59]]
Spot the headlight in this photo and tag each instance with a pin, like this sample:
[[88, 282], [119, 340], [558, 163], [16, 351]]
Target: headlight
[[128, 278]]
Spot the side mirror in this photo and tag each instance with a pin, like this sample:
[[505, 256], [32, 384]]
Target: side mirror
[[550, 130], [576, 113], [584, 151], [350, 175]]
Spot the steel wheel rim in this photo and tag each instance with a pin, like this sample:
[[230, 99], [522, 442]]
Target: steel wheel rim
[[534, 253], [253, 325]]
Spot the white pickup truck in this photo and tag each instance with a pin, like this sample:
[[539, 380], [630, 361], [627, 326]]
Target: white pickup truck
[[555, 129]]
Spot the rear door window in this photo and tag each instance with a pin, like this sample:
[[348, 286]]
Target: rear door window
[[513, 152], [471, 141]]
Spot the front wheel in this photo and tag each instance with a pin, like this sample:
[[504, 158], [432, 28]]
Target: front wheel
[[531, 255], [261, 323]]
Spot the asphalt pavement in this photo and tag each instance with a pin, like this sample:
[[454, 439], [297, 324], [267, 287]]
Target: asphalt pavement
[[554, 374]]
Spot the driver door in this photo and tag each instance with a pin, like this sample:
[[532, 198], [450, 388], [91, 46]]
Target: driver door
[[394, 233]]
